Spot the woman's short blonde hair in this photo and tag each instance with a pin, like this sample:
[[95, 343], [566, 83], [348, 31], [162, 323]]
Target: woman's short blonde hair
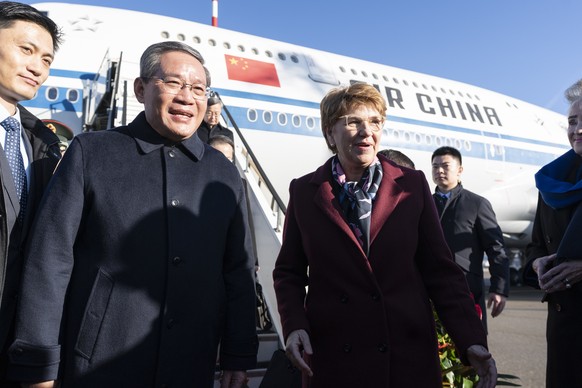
[[339, 101]]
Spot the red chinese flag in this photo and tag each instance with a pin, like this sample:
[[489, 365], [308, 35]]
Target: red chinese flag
[[249, 70]]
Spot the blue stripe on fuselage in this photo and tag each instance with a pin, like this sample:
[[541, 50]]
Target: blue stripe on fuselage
[[240, 114], [476, 150], [61, 103], [422, 123]]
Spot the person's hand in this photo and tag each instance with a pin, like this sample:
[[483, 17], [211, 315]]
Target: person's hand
[[541, 264], [498, 302], [562, 276], [233, 379], [298, 342], [44, 384], [484, 365]]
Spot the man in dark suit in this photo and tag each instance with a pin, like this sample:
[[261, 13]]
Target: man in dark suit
[[148, 263], [29, 152], [210, 126], [471, 230]]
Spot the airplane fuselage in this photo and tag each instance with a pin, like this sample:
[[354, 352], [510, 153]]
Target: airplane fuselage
[[273, 90]]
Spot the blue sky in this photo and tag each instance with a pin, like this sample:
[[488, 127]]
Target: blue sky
[[527, 49]]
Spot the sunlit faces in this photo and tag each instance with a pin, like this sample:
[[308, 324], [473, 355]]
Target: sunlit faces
[[212, 115], [26, 54], [575, 126], [174, 116], [356, 149], [446, 172]]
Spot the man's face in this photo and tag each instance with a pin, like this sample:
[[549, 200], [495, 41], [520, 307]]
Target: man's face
[[226, 150], [212, 115], [26, 54], [446, 172], [174, 116]]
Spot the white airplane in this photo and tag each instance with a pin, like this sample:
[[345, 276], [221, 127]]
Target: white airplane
[[273, 89], [272, 92]]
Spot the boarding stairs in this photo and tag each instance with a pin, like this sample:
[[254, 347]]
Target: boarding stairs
[[266, 217]]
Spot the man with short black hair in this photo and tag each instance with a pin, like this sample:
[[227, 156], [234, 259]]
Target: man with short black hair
[[29, 151], [471, 230], [397, 157]]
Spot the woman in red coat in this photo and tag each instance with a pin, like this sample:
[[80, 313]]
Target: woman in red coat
[[362, 234]]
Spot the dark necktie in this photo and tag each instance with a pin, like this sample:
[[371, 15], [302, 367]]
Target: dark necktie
[[441, 202], [12, 150]]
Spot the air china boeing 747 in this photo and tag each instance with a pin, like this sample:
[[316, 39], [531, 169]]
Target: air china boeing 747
[[272, 92]]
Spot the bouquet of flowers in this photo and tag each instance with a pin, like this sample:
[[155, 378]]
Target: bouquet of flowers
[[455, 374]]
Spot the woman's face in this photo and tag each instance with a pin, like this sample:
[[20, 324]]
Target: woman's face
[[356, 136], [575, 126]]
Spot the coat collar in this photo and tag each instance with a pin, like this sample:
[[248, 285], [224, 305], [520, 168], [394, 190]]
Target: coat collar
[[454, 194], [149, 140], [37, 129], [385, 202]]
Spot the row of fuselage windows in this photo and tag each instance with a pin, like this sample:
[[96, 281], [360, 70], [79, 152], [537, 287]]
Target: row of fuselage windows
[[52, 94], [295, 59], [312, 124], [409, 137]]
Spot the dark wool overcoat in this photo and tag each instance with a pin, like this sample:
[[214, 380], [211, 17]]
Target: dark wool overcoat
[[141, 263], [369, 318], [563, 330], [205, 133], [43, 155]]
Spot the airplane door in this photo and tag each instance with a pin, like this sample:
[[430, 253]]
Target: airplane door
[[319, 71], [100, 93]]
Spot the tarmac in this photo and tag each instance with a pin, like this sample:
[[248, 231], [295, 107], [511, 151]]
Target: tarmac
[[517, 337]]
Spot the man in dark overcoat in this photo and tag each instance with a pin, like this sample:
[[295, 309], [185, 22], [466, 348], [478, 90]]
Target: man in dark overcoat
[[210, 126], [471, 230], [28, 41], [147, 264]]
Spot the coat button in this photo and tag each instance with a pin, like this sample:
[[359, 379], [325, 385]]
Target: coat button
[[558, 307], [548, 239], [344, 298], [171, 323], [347, 348], [382, 348], [375, 297], [175, 202], [171, 153], [177, 260]]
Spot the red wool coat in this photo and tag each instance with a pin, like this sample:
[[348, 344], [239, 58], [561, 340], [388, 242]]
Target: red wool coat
[[370, 319]]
